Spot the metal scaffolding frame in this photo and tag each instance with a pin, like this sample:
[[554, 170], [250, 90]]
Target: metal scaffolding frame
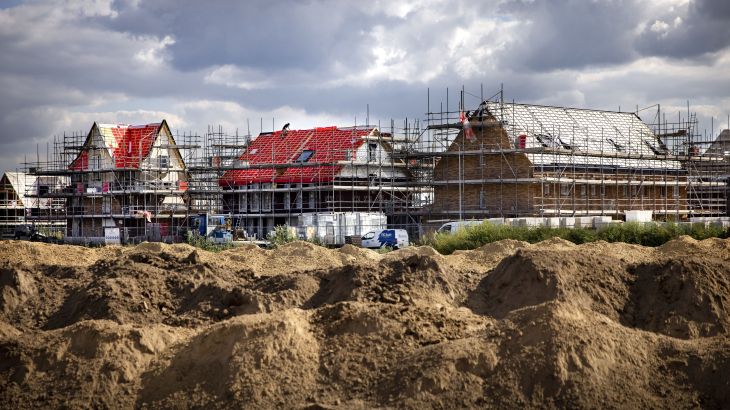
[[523, 161]]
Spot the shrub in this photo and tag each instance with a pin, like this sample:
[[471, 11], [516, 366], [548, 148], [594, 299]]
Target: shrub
[[281, 236], [651, 234], [201, 242]]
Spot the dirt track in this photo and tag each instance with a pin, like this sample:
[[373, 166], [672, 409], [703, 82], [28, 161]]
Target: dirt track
[[551, 325]]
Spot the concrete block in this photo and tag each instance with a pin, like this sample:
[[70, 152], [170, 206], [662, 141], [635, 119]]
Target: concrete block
[[496, 221], [584, 221], [638, 216], [602, 221], [567, 222]]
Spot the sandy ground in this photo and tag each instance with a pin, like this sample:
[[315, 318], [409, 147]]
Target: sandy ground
[[508, 325]]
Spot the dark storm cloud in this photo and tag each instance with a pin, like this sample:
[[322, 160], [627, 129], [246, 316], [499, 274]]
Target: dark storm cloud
[[272, 35], [568, 34], [696, 29], [68, 63]]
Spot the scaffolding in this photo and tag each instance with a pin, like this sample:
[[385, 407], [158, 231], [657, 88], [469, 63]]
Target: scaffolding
[[330, 182], [516, 163], [528, 164], [131, 178]]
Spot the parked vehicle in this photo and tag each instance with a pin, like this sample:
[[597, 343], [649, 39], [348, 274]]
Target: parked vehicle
[[395, 238], [215, 228], [28, 233], [452, 227]]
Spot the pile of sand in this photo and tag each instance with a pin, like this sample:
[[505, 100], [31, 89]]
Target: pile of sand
[[510, 324]]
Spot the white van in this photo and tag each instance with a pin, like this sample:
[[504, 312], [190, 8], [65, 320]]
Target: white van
[[452, 227], [395, 238]]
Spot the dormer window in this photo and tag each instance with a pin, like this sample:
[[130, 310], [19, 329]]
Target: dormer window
[[565, 145], [544, 140], [304, 156], [652, 147], [619, 147]]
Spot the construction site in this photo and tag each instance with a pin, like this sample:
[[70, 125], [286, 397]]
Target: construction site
[[485, 158], [510, 323]]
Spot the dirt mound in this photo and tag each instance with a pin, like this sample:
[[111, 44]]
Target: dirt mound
[[532, 276], [17, 287], [106, 360], [266, 361], [713, 248], [685, 298], [486, 257], [549, 325]]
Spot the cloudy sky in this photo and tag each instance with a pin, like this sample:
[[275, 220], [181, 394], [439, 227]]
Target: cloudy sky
[[67, 63]]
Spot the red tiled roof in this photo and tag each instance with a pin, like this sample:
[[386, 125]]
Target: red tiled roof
[[127, 144], [329, 145]]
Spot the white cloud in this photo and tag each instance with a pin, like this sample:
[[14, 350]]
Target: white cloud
[[155, 55], [233, 76], [232, 116], [661, 28]]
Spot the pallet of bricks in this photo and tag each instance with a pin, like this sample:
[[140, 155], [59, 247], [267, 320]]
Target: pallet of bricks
[[354, 240]]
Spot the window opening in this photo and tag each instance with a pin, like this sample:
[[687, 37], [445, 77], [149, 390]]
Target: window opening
[[619, 147], [242, 202], [312, 199], [544, 140], [564, 189], [304, 156], [654, 149], [372, 152]]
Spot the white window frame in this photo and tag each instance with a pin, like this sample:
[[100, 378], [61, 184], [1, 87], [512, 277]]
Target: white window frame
[[243, 202], [312, 199], [593, 190], [675, 191], [266, 204], [583, 191], [255, 201], [603, 190], [106, 205], [564, 189]]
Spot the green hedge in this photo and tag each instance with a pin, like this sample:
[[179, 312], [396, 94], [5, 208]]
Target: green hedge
[[472, 237]]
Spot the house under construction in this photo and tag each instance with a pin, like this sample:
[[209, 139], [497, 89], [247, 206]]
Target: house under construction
[[329, 182], [520, 161], [117, 176], [18, 202], [501, 160]]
